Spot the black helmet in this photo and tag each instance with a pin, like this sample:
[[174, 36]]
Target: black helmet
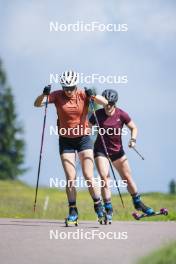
[[111, 96]]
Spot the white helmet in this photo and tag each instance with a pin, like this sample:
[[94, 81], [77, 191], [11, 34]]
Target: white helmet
[[69, 78]]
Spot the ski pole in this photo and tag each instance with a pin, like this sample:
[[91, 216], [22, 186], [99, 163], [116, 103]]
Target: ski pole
[[106, 151], [40, 156], [138, 153]]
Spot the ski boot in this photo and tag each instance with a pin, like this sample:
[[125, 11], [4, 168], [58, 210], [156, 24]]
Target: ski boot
[[140, 206], [109, 213], [72, 218], [99, 210]]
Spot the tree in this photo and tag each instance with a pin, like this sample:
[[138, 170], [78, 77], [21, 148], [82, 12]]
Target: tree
[[172, 187], [11, 141]]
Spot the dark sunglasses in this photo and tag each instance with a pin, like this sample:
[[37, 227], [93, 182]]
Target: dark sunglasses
[[71, 88], [111, 103]]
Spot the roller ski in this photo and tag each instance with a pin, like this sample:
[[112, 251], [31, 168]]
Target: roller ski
[[147, 211], [99, 210], [109, 213], [163, 211], [72, 218]]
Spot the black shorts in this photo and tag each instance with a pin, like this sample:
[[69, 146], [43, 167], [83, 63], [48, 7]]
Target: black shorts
[[70, 145], [113, 157]]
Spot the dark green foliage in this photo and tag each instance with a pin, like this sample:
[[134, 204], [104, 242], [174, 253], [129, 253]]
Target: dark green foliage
[[11, 142], [172, 187]]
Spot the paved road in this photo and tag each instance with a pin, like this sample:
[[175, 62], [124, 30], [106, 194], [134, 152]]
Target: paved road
[[49, 242]]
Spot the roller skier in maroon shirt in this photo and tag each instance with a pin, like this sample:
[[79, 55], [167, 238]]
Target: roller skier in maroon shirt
[[112, 119]]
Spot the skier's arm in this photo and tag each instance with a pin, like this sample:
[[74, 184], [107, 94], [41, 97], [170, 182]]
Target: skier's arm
[[100, 100], [133, 128], [97, 98], [41, 99]]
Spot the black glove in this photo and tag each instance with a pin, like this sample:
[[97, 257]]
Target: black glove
[[89, 92], [46, 90]]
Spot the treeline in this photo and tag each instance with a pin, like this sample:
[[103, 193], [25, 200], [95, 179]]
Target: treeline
[[11, 133]]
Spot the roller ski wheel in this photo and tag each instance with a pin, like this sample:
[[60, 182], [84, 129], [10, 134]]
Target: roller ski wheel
[[108, 220], [100, 220], [163, 211], [72, 218], [70, 222]]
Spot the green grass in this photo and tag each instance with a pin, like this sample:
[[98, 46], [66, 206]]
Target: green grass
[[165, 255], [16, 201]]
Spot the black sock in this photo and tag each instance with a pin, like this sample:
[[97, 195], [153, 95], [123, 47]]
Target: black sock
[[135, 195], [96, 200], [72, 204], [107, 201]]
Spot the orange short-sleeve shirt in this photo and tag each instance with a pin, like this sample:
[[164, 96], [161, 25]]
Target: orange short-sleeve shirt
[[72, 112]]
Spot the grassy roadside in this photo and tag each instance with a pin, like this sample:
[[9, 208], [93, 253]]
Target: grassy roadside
[[16, 201], [164, 255]]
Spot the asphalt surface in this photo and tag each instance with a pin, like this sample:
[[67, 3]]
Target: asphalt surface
[[32, 241]]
